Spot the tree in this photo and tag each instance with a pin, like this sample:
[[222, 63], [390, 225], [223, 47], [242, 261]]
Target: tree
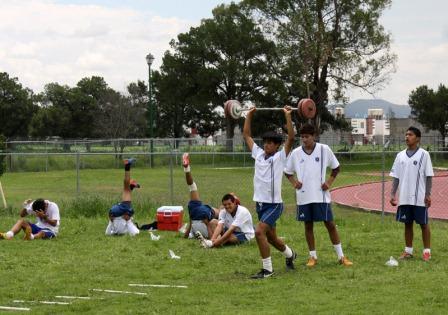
[[226, 57], [430, 108], [16, 107], [2, 157], [69, 112], [333, 44]]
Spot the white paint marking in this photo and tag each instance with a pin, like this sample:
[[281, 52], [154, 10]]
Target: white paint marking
[[122, 292], [41, 302], [10, 308], [157, 285], [72, 297]]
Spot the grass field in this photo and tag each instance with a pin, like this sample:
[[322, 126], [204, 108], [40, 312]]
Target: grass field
[[82, 258]]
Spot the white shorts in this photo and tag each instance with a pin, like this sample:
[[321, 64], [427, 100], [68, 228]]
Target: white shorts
[[120, 226], [198, 225]]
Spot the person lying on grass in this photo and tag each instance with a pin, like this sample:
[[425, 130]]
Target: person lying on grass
[[234, 225], [120, 215], [47, 224]]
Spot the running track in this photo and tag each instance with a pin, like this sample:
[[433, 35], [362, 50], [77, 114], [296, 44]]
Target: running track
[[367, 196]]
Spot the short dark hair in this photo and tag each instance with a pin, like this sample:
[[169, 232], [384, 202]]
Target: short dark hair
[[38, 204], [307, 129], [272, 136], [415, 131], [230, 197]]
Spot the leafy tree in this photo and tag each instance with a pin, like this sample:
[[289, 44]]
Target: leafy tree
[[16, 107], [2, 157], [430, 107], [333, 44], [226, 57]]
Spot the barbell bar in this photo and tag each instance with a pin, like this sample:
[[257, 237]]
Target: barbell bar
[[305, 107]]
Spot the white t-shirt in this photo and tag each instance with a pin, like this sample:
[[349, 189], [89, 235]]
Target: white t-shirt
[[412, 171], [242, 221], [268, 175], [52, 214], [310, 170]]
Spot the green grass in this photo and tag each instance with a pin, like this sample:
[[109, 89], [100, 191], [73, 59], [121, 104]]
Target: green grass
[[82, 258]]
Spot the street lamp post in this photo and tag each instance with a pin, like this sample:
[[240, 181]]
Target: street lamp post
[[149, 60]]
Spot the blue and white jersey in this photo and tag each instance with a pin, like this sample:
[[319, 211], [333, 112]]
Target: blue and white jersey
[[268, 175], [311, 170], [412, 171]]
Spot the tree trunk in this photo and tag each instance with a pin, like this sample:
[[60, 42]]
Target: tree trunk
[[230, 133]]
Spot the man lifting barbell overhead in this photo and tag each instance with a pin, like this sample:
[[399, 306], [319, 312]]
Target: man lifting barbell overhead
[[269, 165], [306, 108]]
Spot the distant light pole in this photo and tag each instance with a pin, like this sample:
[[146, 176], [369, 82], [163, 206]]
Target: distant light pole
[[149, 61]]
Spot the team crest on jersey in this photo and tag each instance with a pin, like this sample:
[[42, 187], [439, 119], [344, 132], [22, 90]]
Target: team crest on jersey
[[415, 162], [317, 159]]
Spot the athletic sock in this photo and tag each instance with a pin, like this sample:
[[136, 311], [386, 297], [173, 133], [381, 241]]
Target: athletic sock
[[187, 169], [313, 254], [31, 236], [9, 234], [267, 263], [287, 252], [409, 250], [193, 187], [338, 249], [427, 250]]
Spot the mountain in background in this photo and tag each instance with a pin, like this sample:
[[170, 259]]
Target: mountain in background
[[358, 108]]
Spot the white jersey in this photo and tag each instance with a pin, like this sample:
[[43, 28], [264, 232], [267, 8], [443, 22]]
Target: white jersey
[[310, 170], [52, 214], [268, 175], [242, 221], [412, 171]]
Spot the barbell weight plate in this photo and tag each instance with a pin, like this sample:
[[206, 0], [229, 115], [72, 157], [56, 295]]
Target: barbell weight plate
[[307, 108]]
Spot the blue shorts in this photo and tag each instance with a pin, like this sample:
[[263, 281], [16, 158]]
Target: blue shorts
[[239, 235], [35, 229], [198, 211], [409, 213], [121, 208], [269, 212], [314, 212]]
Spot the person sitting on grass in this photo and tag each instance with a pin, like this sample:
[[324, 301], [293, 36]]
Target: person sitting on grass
[[47, 225], [234, 225], [203, 218], [120, 215]]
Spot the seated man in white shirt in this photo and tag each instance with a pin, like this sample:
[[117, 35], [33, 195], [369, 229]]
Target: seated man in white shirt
[[234, 225], [47, 225]]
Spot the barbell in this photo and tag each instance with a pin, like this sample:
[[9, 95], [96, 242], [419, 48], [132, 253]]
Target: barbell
[[306, 108]]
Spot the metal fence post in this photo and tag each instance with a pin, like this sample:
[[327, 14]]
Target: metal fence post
[[171, 178], [46, 159], [77, 173], [383, 180]]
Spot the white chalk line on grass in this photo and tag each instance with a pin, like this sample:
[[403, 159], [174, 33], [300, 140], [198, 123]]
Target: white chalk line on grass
[[11, 308], [121, 292], [42, 302], [157, 285], [72, 297]]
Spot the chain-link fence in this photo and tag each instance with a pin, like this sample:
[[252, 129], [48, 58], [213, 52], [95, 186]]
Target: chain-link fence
[[38, 169]]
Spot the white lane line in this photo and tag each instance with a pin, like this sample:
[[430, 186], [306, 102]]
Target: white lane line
[[121, 292], [72, 297], [41, 302], [10, 308], [157, 285]]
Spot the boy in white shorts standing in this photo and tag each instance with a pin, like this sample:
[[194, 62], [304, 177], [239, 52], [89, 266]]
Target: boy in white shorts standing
[[310, 162], [412, 172], [269, 165]]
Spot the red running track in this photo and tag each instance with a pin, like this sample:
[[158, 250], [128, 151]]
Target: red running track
[[367, 196]]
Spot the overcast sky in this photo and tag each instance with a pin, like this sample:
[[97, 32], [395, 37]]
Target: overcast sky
[[62, 41]]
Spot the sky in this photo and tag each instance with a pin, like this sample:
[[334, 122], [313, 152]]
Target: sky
[[43, 41]]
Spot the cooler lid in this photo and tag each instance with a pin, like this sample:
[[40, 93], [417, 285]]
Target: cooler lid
[[170, 208]]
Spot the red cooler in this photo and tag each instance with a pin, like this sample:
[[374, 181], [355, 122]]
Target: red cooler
[[169, 218]]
